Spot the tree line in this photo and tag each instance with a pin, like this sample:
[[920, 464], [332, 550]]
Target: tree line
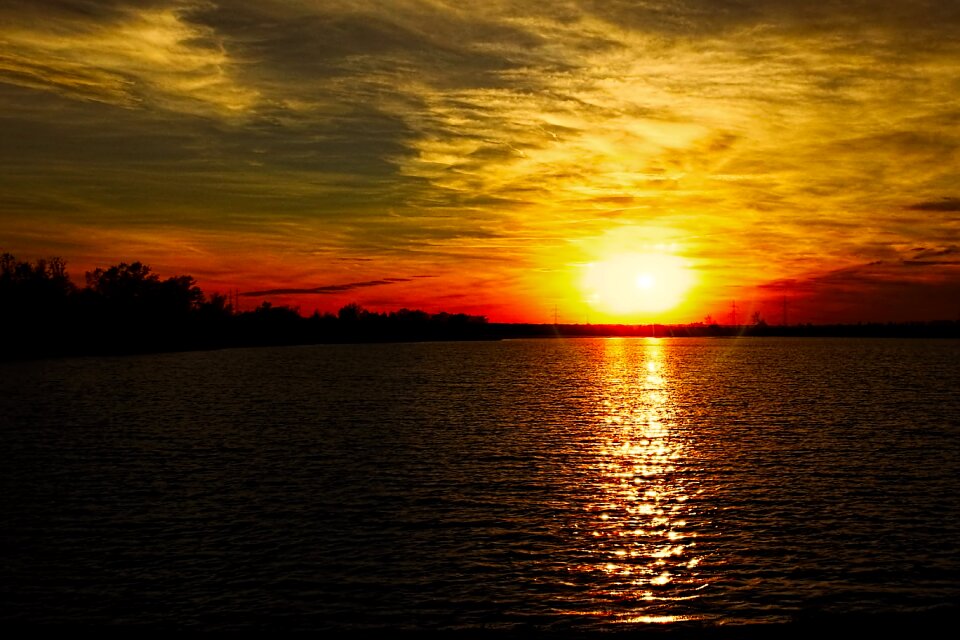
[[127, 308]]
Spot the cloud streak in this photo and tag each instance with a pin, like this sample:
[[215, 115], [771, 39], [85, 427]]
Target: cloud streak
[[329, 288], [144, 57], [947, 204]]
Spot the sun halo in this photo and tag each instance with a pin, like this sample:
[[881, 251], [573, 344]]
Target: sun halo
[[631, 283]]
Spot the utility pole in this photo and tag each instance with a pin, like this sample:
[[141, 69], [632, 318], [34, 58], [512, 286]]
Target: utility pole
[[554, 314]]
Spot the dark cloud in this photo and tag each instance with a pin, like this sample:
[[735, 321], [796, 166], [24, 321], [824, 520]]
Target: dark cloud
[[846, 278], [876, 291], [310, 45], [327, 289], [718, 17], [922, 253], [947, 204], [934, 257], [94, 11]]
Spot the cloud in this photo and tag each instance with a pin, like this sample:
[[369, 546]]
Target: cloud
[[135, 57], [702, 18], [330, 288], [877, 291], [773, 138], [844, 278], [922, 253], [946, 204], [929, 263]]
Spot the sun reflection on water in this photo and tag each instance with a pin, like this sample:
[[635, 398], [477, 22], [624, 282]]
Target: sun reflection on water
[[643, 553]]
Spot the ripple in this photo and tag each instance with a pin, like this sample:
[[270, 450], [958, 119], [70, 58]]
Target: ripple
[[552, 485]]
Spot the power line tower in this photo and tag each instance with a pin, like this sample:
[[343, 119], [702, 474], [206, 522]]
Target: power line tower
[[784, 303], [734, 321]]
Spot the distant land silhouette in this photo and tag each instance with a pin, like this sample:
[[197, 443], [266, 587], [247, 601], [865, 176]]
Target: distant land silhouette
[[128, 309]]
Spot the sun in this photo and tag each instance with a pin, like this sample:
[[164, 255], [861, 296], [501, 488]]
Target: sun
[[636, 282]]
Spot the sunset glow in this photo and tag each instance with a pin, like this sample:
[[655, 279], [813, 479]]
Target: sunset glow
[[632, 283], [799, 160]]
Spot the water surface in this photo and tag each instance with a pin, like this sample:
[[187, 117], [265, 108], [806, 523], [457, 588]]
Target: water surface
[[589, 484]]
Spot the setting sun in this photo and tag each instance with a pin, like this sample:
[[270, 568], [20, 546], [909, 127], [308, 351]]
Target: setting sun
[[633, 282]]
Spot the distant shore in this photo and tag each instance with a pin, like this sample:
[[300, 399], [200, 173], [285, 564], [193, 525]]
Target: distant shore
[[940, 329], [290, 329]]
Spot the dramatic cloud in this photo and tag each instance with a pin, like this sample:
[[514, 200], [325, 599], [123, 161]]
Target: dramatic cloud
[[130, 57], [265, 145]]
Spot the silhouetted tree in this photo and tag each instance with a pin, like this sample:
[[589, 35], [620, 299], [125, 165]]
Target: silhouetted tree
[[132, 289], [179, 295], [35, 301], [217, 306], [352, 312], [127, 307], [43, 280], [408, 316], [123, 283]]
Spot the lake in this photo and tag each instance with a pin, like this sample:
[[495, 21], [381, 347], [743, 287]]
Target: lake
[[528, 485]]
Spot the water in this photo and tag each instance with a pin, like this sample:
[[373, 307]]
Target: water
[[552, 485]]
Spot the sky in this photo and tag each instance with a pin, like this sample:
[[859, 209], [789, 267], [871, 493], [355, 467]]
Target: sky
[[798, 159]]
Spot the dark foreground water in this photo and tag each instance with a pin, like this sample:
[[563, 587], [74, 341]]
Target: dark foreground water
[[519, 485]]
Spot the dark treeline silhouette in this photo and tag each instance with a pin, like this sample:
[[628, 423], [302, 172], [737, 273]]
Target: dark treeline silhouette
[[128, 309]]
